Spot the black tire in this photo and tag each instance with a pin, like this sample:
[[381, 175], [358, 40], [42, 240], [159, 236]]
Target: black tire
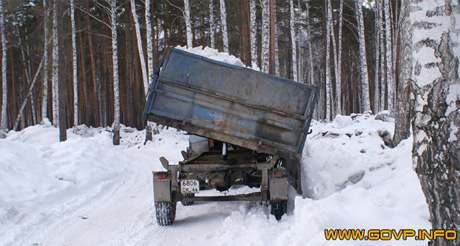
[[278, 208], [188, 203], [165, 213]]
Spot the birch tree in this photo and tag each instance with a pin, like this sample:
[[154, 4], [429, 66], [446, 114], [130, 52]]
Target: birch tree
[[223, 17], [334, 54], [365, 102], [148, 23], [46, 61], [212, 33], [4, 123], [436, 126], [293, 40], [140, 47], [328, 94], [55, 78], [74, 60], [265, 36], [253, 34], [389, 58], [188, 24], [339, 62], [310, 51], [378, 30]]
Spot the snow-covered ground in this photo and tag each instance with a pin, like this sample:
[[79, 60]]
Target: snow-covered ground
[[85, 191]]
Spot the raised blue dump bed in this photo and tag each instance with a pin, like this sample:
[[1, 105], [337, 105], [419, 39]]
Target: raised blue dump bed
[[232, 104]]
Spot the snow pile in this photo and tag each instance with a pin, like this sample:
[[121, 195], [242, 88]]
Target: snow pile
[[213, 54], [342, 152]]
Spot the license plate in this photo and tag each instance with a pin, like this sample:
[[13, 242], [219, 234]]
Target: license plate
[[189, 186]]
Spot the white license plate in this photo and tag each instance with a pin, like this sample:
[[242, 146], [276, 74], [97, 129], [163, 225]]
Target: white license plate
[[189, 186]]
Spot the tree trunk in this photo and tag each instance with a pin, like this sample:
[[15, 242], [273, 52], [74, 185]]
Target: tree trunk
[[116, 83], [188, 24], [328, 94], [55, 66], [310, 50], [264, 57], [389, 58], [272, 55], [293, 40], [140, 47], [212, 33], [223, 17], [338, 75], [335, 98], [28, 95], [46, 62], [365, 101], [150, 125], [436, 127], [244, 33], [377, 58], [253, 26], [405, 100], [74, 60], [4, 122]]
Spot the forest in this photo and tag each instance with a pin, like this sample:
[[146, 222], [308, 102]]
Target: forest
[[314, 42], [90, 62]]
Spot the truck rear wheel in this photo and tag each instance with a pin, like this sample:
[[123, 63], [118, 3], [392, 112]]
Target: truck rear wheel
[[278, 208], [165, 213]]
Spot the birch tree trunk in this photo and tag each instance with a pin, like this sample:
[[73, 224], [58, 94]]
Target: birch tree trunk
[[223, 17], [405, 101], [212, 33], [28, 95], [150, 125], [334, 55], [74, 60], [365, 102], [310, 51], [46, 62], [116, 89], [328, 94], [188, 24], [253, 34], [55, 67], [377, 57], [389, 58], [293, 40], [383, 74], [338, 75], [436, 127], [140, 47], [4, 122], [265, 36]]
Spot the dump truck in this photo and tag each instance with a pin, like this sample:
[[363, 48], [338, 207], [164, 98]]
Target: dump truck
[[247, 128]]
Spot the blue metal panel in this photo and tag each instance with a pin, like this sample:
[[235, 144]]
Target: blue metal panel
[[232, 104]]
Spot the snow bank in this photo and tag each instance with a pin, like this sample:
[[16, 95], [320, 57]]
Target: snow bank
[[352, 181]]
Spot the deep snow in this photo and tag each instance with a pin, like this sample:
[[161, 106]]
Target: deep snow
[[85, 191]]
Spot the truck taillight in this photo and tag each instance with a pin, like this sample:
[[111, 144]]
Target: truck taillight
[[162, 176], [211, 143]]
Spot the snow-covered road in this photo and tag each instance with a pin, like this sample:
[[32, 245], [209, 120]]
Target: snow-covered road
[[87, 192]]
